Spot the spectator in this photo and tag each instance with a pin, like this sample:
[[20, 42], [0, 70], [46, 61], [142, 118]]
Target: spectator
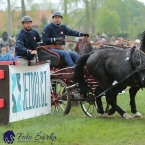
[[128, 43], [112, 40], [119, 41], [13, 39], [116, 42], [137, 42], [14, 56], [4, 56], [5, 36], [98, 37], [5, 43], [8, 52], [101, 40], [98, 44], [12, 43]]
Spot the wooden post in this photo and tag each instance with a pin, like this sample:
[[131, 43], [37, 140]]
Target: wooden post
[[4, 95]]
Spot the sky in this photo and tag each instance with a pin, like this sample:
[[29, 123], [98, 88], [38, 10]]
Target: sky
[[142, 1]]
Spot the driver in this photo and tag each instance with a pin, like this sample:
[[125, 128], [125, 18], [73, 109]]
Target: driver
[[53, 35]]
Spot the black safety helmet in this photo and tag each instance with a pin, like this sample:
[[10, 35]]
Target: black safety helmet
[[26, 19], [57, 14]]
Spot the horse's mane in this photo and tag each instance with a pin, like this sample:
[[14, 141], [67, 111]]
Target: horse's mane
[[142, 46]]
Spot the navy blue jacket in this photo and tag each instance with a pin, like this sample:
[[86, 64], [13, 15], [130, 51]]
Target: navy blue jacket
[[26, 40], [52, 31]]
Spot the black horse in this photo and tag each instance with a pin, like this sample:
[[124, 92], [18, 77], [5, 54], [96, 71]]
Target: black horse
[[107, 65]]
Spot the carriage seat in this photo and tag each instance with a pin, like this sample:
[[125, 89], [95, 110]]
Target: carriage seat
[[46, 55]]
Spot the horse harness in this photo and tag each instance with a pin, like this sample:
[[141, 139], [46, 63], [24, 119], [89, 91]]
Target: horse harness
[[138, 68]]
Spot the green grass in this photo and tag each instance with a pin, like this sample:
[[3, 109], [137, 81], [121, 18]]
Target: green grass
[[78, 129]]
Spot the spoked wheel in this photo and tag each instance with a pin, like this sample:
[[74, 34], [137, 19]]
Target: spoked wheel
[[60, 101], [89, 105]]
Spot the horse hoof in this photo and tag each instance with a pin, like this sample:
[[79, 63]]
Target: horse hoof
[[104, 115], [137, 114], [111, 111], [127, 116]]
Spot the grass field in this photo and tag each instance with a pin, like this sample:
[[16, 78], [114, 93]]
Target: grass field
[[78, 129]]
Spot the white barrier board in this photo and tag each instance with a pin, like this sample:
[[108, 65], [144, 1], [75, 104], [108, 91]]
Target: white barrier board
[[29, 91]]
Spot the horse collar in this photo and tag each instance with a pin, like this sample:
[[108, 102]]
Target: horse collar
[[142, 64], [128, 60]]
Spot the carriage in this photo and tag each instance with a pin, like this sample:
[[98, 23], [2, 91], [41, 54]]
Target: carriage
[[130, 72], [64, 92]]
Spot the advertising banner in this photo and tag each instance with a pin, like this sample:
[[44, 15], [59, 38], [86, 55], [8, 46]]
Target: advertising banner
[[29, 91]]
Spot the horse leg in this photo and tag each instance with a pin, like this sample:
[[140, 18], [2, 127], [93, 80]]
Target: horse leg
[[105, 82], [115, 91], [111, 101], [100, 109], [100, 106], [112, 110], [132, 92]]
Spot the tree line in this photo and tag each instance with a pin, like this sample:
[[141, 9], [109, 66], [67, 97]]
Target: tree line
[[114, 17]]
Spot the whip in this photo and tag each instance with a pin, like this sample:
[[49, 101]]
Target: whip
[[79, 21]]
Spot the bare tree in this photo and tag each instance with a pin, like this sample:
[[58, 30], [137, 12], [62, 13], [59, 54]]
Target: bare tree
[[65, 9], [23, 8]]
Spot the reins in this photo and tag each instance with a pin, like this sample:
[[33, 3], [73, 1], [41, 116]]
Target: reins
[[117, 83], [141, 51]]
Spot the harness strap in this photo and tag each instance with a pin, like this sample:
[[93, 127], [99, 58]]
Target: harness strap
[[113, 86], [128, 54]]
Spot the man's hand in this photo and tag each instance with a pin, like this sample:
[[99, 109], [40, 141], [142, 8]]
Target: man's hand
[[33, 52], [85, 34]]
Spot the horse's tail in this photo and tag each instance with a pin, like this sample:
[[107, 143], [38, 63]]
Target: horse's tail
[[79, 72]]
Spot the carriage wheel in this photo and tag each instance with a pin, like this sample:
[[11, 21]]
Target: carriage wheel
[[60, 101], [89, 105]]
